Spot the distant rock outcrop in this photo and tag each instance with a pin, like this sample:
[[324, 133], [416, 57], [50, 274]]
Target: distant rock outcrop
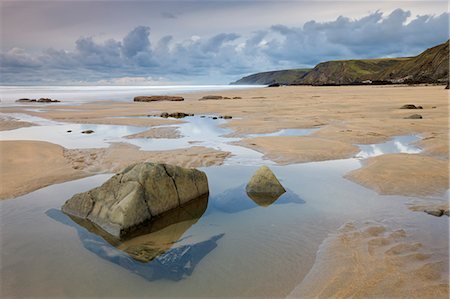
[[157, 98], [135, 195], [264, 187]]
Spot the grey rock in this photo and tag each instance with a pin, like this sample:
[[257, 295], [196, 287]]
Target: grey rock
[[87, 132], [264, 187], [135, 195], [411, 106], [437, 213], [157, 98], [211, 97], [175, 114], [414, 116]]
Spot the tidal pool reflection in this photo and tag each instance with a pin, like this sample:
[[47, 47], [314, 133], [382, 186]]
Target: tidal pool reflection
[[157, 250], [236, 199]]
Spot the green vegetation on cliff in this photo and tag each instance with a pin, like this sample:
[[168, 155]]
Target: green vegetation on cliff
[[431, 66]]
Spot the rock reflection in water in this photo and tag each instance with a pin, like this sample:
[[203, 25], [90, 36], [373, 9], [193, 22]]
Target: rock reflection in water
[[157, 251], [236, 200]]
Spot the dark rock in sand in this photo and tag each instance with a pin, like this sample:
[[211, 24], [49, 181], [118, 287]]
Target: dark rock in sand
[[264, 186], [41, 100], [87, 132], [214, 117], [437, 213], [175, 114], [227, 117], [136, 195], [211, 97], [411, 106], [414, 116], [274, 85], [237, 98], [157, 98], [446, 87], [25, 100], [47, 100], [69, 131]]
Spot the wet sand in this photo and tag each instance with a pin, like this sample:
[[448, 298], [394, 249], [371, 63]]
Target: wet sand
[[344, 115], [299, 149], [406, 174], [160, 132], [30, 165], [9, 124], [372, 260]]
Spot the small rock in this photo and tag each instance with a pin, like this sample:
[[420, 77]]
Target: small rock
[[47, 100], [175, 114], [226, 98], [211, 97], [214, 117], [437, 213], [410, 106], [414, 116], [274, 85], [87, 132], [237, 98], [157, 98], [69, 131], [227, 117], [264, 185], [41, 100]]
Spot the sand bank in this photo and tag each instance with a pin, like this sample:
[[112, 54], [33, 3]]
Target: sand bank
[[10, 124], [159, 132], [405, 174], [373, 261], [29, 165], [299, 149]]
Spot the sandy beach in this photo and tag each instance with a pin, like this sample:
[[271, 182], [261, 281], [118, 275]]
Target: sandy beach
[[340, 119], [344, 116]]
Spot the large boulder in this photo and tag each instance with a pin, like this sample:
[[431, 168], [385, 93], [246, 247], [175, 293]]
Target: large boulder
[[157, 98], [135, 195], [264, 187]]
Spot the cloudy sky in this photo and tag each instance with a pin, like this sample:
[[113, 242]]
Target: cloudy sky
[[202, 42]]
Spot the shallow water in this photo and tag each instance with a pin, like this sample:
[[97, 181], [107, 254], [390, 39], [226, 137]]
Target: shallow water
[[399, 144], [195, 131], [261, 252], [235, 246]]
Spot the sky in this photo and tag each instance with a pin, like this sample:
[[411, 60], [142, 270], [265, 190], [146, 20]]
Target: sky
[[202, 42]]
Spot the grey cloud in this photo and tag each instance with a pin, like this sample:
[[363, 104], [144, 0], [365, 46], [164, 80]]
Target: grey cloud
[[224, 55], [168, 15], [136, 41]]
